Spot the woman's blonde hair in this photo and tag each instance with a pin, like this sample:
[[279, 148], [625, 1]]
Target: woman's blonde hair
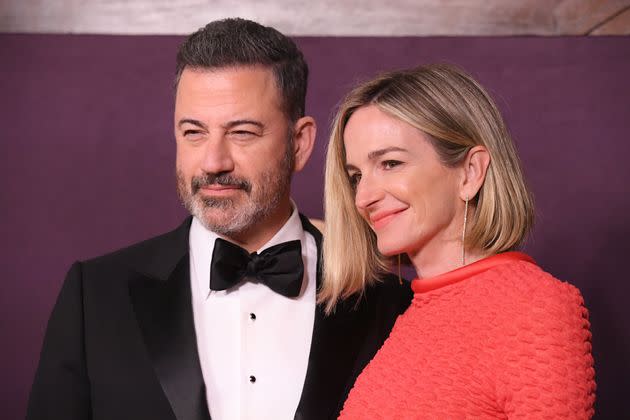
[[456, 114]]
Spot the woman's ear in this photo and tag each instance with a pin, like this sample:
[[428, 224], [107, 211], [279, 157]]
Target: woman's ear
[[304, 132], [474, 171]]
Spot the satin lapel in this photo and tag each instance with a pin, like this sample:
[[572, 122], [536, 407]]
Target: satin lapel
[[162, 302], [336, 342]]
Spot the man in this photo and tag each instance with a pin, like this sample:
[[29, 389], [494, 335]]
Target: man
[[218, 317]]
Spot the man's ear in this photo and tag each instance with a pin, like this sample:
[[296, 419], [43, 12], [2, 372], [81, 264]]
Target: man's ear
[[474, 171], [304, 132]]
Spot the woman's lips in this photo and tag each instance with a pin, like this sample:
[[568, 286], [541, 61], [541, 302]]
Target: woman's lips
[[379, 220]]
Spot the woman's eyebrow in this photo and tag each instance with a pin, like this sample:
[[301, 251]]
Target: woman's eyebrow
[[380, 152]]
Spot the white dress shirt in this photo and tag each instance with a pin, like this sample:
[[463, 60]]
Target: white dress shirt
[[253, 343]]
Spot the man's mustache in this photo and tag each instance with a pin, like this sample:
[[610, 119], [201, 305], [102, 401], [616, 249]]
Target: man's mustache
[[224, 179]]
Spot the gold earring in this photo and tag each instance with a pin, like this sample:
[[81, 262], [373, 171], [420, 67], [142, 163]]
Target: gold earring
[[464, 232], [399, 276]]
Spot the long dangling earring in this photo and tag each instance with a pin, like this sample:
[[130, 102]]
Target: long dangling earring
[[399, 276], [464, 232]]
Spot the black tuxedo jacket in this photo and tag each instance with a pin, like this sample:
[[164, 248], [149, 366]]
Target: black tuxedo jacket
[[120, 343]]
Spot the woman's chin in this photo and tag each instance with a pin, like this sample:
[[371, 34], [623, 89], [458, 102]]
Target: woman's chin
[[391, 251]]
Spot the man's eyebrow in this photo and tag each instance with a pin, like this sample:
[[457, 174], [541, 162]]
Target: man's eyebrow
[[226, 126], [380, 152], [232, 124], [191, 121]]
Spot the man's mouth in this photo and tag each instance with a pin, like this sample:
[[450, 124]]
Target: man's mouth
[[218, 189], [222, 184]]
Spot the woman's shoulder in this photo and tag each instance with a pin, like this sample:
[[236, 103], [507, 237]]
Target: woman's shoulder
[[526, 297], [532, 283]]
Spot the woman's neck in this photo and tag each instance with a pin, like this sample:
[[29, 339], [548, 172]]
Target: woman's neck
[[431, 261]]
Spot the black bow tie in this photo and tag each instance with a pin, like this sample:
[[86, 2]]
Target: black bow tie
[[279, 267]]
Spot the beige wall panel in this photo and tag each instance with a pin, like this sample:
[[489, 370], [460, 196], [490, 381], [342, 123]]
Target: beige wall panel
[[618, 25], [580, 17], [324, 17]]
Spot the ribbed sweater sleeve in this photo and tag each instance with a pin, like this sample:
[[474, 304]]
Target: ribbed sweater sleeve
[[544, 348]]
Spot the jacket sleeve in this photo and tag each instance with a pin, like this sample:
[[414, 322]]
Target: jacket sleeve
[[61, 389]]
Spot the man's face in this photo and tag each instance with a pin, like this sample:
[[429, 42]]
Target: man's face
[[234, 153]]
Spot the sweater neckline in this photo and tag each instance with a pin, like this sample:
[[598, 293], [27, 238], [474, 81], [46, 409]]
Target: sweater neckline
[[426, 285]]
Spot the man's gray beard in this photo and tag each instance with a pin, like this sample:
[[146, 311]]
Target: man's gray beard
[[260, 202]]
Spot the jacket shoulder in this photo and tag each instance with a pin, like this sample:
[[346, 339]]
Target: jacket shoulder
[[385, 298], [156, 256]]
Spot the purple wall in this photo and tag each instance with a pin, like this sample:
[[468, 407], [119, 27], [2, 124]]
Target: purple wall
[[88, 151]]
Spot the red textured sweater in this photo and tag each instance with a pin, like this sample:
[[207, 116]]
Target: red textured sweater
[[496, 339]]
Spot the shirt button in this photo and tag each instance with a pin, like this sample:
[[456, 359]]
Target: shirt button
[[252, 378], [252, 316]]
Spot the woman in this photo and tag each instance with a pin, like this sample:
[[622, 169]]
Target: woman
[[421, 164]]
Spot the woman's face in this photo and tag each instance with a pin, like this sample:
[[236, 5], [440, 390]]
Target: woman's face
[[408, 197]]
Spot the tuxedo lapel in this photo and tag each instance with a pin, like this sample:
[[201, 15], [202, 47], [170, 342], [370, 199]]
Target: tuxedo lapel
[[334, 348], [161, 300], [331, 363]]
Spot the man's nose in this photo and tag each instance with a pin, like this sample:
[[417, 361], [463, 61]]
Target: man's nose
[[217, 156]]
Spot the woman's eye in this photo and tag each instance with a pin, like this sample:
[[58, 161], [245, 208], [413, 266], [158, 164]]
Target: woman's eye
[[354, 179], [389, 164]]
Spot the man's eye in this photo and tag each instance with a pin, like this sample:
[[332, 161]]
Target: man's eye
[[191, 133], [242, 133], [390, 164]]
